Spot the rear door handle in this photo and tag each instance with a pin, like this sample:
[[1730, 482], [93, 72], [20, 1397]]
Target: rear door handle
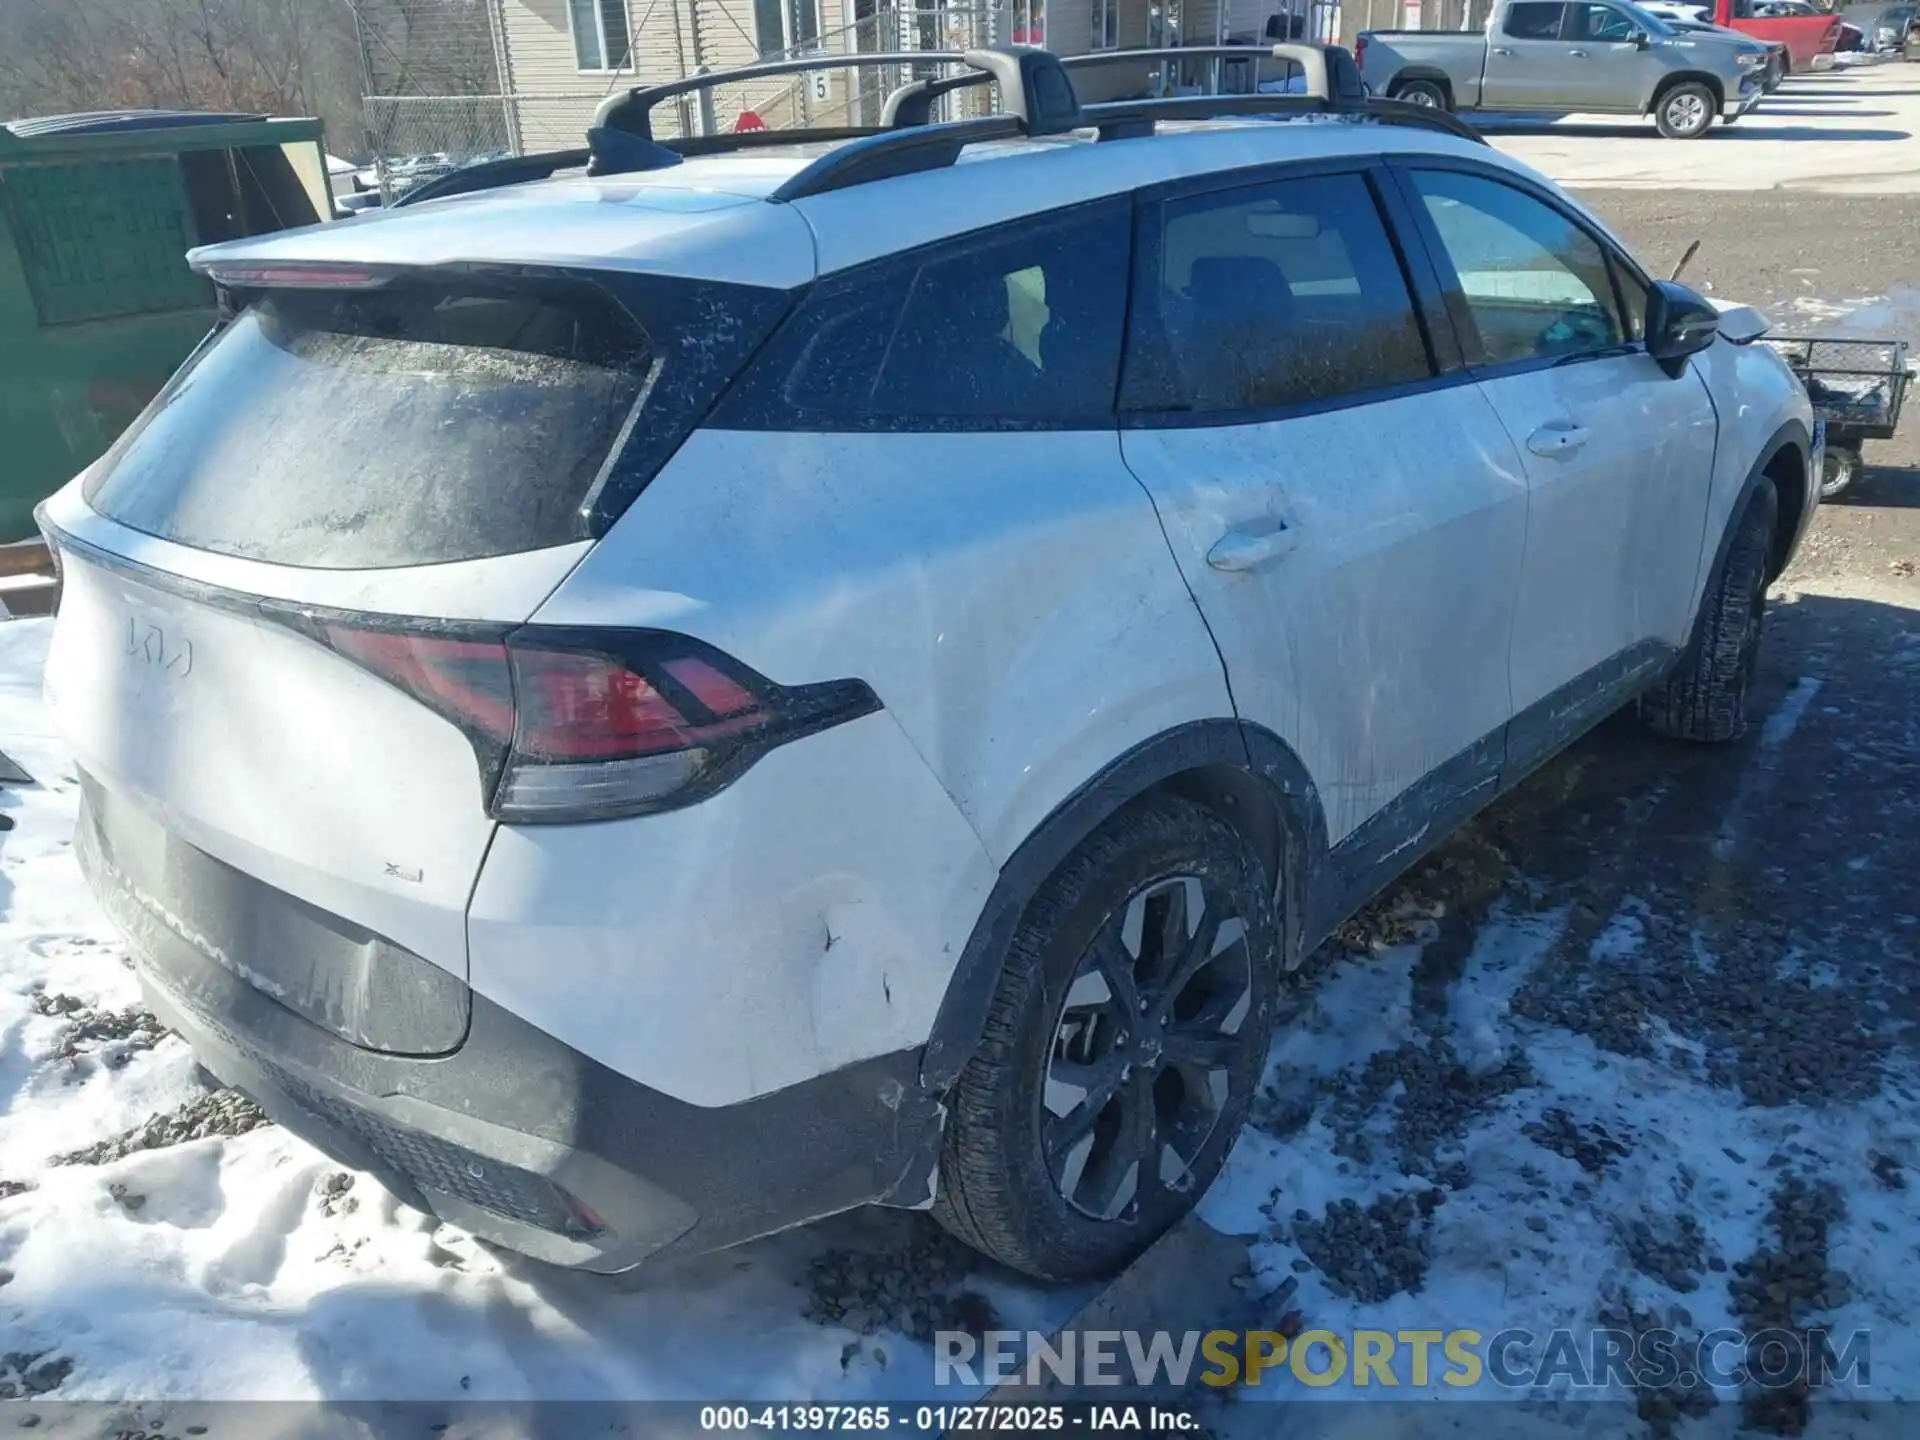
[[1242, 550], [1581, 53], [1557, 439], [1502, 50]]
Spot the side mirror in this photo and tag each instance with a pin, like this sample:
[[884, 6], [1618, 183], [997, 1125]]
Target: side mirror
[[1679, 323], [1641, 40]]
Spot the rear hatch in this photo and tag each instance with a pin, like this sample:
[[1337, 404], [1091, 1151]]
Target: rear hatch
[[284, 657]]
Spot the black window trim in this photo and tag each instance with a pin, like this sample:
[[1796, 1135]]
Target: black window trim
[[1618, 261], [1444, 353], [1559, 31], [743, 407]]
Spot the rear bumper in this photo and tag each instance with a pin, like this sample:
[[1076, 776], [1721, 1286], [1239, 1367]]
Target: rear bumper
[[522, 1140]]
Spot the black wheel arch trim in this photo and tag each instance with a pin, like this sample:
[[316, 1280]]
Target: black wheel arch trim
[[1260, 764], [1791, 434]]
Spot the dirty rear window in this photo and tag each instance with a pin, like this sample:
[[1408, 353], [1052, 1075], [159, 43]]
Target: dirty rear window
[[400, 426]]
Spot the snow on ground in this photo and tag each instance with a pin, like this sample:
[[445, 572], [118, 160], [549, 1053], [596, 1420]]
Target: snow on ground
[[1518, 1111], [237, 1267], [1848, 132], [1511, 1123]]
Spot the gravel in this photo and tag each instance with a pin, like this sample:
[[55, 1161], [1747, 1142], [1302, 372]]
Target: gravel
[[1434, 1097], [1372, 1252], [914, 1284], [113, 1037], [1669, 1248], [1590, 1146], [335, 1196], [26, 1373], [1784, 1285], [224, 1113]]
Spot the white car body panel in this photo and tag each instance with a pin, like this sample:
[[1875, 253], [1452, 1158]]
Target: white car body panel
[[1342, 647], [621, 223], [805, 918], [1614, 527], [984, 584], [1754, 394], [270, 753]]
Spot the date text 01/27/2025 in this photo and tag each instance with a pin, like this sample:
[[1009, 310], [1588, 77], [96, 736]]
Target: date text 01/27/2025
[[950, 1419]]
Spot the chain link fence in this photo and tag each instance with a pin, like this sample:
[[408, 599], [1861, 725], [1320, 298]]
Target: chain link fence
[[416, 137]]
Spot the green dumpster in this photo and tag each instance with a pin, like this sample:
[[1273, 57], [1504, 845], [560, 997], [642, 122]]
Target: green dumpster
[[97, 305]]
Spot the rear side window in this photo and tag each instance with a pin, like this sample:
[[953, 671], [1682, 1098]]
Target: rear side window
[[1270, 296], [1533, 20], [415, 423], [1018, 327]]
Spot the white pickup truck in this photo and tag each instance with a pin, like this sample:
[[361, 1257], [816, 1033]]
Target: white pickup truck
[[1572, 56]]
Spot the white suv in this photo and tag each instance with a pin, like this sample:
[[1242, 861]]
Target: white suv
[[651, 708]]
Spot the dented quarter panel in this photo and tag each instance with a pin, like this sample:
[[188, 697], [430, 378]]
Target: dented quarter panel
[[799, 921], [1011, 600]]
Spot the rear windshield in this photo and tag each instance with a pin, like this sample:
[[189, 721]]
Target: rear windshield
[[399, 426]]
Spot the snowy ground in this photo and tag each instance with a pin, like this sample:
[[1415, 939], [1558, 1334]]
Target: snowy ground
[[243, 1266], [1573, 1072], [1853, 131]]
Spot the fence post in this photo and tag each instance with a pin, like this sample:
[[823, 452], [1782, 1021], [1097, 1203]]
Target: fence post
[[709, 125]]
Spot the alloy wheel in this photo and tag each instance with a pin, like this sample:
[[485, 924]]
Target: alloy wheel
[[1139, 1069], [1686, 112]]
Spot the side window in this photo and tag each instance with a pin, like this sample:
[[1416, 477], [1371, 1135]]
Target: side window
[[1603, 22], [1267, 296], [1021, 324], [1535, 283], [1534, 20]]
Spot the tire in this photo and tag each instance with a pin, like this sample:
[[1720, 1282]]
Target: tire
[[1838, 473], [1034, 1169], [1705, 698], [1428, 94], [1776, 72], [1686, 111]]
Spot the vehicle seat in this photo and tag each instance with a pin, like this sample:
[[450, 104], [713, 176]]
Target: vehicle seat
[[1238, 313]]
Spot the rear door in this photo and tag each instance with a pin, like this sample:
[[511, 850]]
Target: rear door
[[1527, 63], [1608, 68], [1619, 454], [279, 649], [1348, 513]]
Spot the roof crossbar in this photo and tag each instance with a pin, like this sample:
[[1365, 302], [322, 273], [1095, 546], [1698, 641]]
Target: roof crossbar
[[1037, 98], [912, 103], [632, 110]]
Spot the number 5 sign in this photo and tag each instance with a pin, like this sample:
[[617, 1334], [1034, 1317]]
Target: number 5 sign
[[820, 83]]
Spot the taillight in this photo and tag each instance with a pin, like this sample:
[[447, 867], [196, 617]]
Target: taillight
[[1360, 49], [572, 725]]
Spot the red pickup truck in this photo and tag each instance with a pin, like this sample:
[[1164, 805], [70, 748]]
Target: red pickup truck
[[1804, 35]]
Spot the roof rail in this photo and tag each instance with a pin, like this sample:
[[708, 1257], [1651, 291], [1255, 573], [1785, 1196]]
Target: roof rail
[[489, 173], [896, 152], [1127, 119]]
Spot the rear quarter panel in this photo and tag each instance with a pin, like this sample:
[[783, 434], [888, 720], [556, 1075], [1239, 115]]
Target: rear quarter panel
[[1012, 601]]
